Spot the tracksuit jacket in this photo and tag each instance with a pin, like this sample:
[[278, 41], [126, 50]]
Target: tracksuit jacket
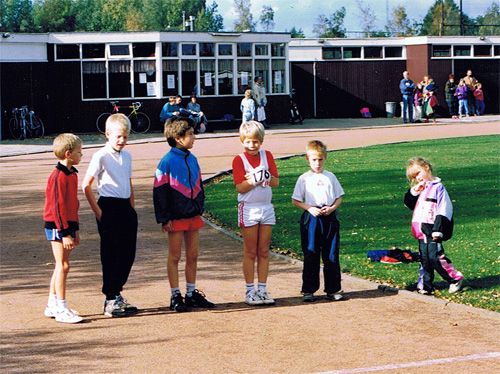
[[178, 190]]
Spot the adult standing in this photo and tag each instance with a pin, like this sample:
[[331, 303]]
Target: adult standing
[[471, 82], [259, 95], [407, 87]]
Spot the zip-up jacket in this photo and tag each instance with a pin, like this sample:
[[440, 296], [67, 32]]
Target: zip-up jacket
[[61, 200], [178, 190], [461, 92], [432, 211]]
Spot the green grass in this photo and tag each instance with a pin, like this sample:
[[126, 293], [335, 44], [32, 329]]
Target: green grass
[[373, 216]]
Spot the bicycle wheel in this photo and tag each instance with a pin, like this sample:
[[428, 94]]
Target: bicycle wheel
[[37, 129], [15, 128], [140, 122], [101, 122]]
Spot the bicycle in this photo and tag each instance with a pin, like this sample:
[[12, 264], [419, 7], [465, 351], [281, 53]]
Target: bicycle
[[25, 123], [139, 121]]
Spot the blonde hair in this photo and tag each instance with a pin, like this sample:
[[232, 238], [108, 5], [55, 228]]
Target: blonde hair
[[118, 121], [417, 162], [177, 126], [248, 93], [252, 129], [65, 142], [316, 146]]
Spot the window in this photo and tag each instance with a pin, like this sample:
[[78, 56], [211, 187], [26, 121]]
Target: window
[[352, 52], [482, 50], [261, 50], [189, 49], [330, 53], [169, 49], [207, 76], [93, 50], [144, 78], [262, 70], [119, 50], [462, 50], [225, 49], [170, 71], [441, 50], [225, 77], [278, 49], [244, 49], [188, 77], [94, 80], [144, 49], [278, 71], [67, 52], [244, 75], [119, 79], [393, 52], [496, 50], [373, 52], [207, 49]]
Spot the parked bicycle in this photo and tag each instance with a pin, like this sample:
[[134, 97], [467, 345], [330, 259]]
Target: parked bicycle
[[24, 123], [139, 121], [295, 116]]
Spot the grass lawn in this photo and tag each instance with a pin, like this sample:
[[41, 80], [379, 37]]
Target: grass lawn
[[372, 215]]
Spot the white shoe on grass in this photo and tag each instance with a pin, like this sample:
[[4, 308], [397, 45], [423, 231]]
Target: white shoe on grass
[[455, 287]]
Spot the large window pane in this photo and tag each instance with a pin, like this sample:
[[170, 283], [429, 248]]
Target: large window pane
[[482, 50], [330, 53], [441, 50], [225, 77], [144, 49], [352, 52], [119, 79], [188, 77], [373, 52], [144, 78], [393, 52], [278, 71], [170, 71], [94, 80], [262, 70], [68, 52], [244, 75], [207, 77]]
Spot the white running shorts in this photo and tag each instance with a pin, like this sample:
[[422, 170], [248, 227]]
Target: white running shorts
[[253, 214]]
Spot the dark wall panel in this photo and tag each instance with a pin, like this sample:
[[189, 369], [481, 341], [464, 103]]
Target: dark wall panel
[[303, 83]]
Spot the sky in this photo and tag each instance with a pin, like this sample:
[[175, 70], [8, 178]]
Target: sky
[[303, 13]]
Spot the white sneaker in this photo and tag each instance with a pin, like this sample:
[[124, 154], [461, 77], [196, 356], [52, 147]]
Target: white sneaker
[[455, 287], [266, 299], [67, 316], [252, 298], [51, 311]]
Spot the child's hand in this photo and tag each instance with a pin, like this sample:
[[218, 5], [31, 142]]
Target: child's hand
[[315, 211], [68, 242], [327, 210], [419, 187], [167, 227]]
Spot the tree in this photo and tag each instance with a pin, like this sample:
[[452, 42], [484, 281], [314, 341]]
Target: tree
[[443, 19], [54, 15], [244, 21], [294, 33], [267, 18], [332, 27], [368, 19], [16, 16], [209, 20], [491, 17], [399, 24]]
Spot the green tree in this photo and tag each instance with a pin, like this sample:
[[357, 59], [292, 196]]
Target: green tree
[[399, 25], [54, 15], [245, 18], [294, 33], [443, 19], [332, 27], [160, 15], [267, 18], [368, 19], [16, 16], [209, 20], [491, 17]]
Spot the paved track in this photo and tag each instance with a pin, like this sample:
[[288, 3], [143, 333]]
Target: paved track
[[372, 331]]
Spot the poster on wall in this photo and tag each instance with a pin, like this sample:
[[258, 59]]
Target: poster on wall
[[151, 88], [170, 81], [142, 78], [208, 79], [244, 78], [277, 77]]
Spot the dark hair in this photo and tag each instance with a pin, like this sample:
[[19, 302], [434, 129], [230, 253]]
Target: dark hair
[[451, 76], [177, 126]]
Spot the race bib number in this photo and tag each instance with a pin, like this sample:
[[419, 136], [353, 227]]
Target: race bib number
[[261, 176]]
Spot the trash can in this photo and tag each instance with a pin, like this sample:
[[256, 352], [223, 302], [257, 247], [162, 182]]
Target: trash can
[[390, 108]]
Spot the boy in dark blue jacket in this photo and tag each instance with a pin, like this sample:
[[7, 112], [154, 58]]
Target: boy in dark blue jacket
[[178, 200]]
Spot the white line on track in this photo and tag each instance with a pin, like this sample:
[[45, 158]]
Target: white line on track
[[415, 364]]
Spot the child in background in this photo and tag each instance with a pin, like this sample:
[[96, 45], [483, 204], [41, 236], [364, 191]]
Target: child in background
[[451, 100], [319, 194], [61, 222], [178, 200], [432, 223], [462, 92], [429, 104], [255, 173], [115, 212], [418, 97], [247, 107], [478, 94]]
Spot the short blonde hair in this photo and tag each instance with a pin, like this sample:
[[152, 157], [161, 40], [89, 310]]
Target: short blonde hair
[[65, 142], [316, 146], [252, 129], [248, 93], [417, 162], [118, 121]]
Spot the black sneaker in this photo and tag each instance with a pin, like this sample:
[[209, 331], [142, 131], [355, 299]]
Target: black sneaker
[[177, 303], [111, 309], [125, 306], [198, 299]]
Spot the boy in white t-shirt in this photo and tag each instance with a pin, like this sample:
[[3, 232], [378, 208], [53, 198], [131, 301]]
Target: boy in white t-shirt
[[319, 193]]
